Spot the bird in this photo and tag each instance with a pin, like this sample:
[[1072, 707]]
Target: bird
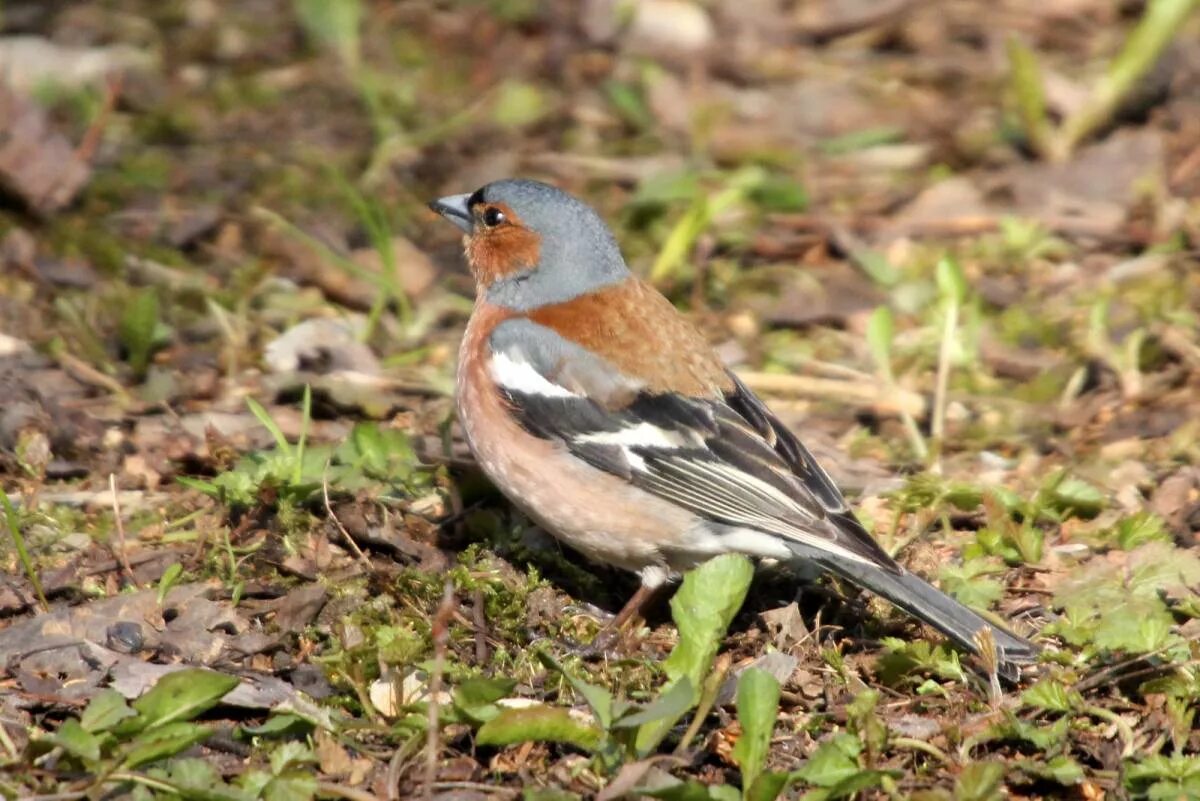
[[605, 416]]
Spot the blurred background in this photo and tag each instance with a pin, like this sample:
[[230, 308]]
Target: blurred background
[[955, 245]]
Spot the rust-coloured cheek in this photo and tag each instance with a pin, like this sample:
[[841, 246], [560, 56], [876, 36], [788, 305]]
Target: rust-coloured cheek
[[502, 251]]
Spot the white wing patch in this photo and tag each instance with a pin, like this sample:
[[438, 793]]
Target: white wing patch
[[512, 371], [642, 435]]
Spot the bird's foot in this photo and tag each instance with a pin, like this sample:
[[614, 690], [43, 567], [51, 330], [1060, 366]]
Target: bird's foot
[[607, 645]]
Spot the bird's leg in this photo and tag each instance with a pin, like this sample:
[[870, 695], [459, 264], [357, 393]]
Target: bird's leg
[[610, 633]]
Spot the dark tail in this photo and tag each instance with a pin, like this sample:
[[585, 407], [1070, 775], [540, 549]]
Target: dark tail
[[923, 601]]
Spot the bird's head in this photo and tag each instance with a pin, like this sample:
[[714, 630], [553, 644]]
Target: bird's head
[[530, 244]]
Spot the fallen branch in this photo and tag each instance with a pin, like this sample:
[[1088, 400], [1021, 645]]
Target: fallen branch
[[869, 394]]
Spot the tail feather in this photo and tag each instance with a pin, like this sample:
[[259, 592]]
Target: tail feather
[[951, 618]]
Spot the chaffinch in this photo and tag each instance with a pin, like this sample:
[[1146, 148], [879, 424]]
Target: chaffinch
[[608, 419]]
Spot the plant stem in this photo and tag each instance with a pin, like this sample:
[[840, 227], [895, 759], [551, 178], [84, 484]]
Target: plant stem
[[10, 514], [1160, 23]]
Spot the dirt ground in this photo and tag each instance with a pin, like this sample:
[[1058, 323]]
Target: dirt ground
[[955, 246]]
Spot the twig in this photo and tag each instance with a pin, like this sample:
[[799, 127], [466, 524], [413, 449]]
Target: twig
[[362, 558], [872, 394], [507, 792], [91, 138], [122, 555], [441, 636], [874, 14], [479, 619], [922, 746], [338, 791], [83, 372], [1186, 168]]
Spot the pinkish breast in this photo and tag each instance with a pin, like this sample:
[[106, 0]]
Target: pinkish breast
[[594, 512]]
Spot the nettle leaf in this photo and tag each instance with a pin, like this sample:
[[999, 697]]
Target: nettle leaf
[[1074, 496], [1141, 626], [1162, 778], [539, 723], [1051, 696], [968, 582], [290, 755], [106, 709], [980, 781], [1139, 529], [757, 707], [1121, 606], [1061, 769], [908, 657], [292, 786], [1045, 738]]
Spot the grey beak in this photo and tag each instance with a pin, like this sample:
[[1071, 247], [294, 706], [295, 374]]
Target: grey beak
[[454, 208]]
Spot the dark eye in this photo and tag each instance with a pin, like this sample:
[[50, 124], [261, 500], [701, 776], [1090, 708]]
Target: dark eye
[[492, 216]]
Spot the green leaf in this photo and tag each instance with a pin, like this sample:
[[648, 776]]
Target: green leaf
[[476, 698], [980, 781], [850, 786], [1045, 738], [702, 608], [668, 707], [137, 328], [77, 741], [969, 582], [334, 24], [767, 786], [598, 698], [1077, 497], [268, 422], [952, 284], [169, 577], [690, 790], [518, 104], [197, 780], [292, 786], [1026, 80], [105, 710], [780, 193], [907, 657], [881, 329], [163, 741], [757, 707], [834, 761], [280, 725], [1061, 769], [1139, 529], [288, 755], [179, 696], [548, 794], [539, 723], [1051, 696]]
